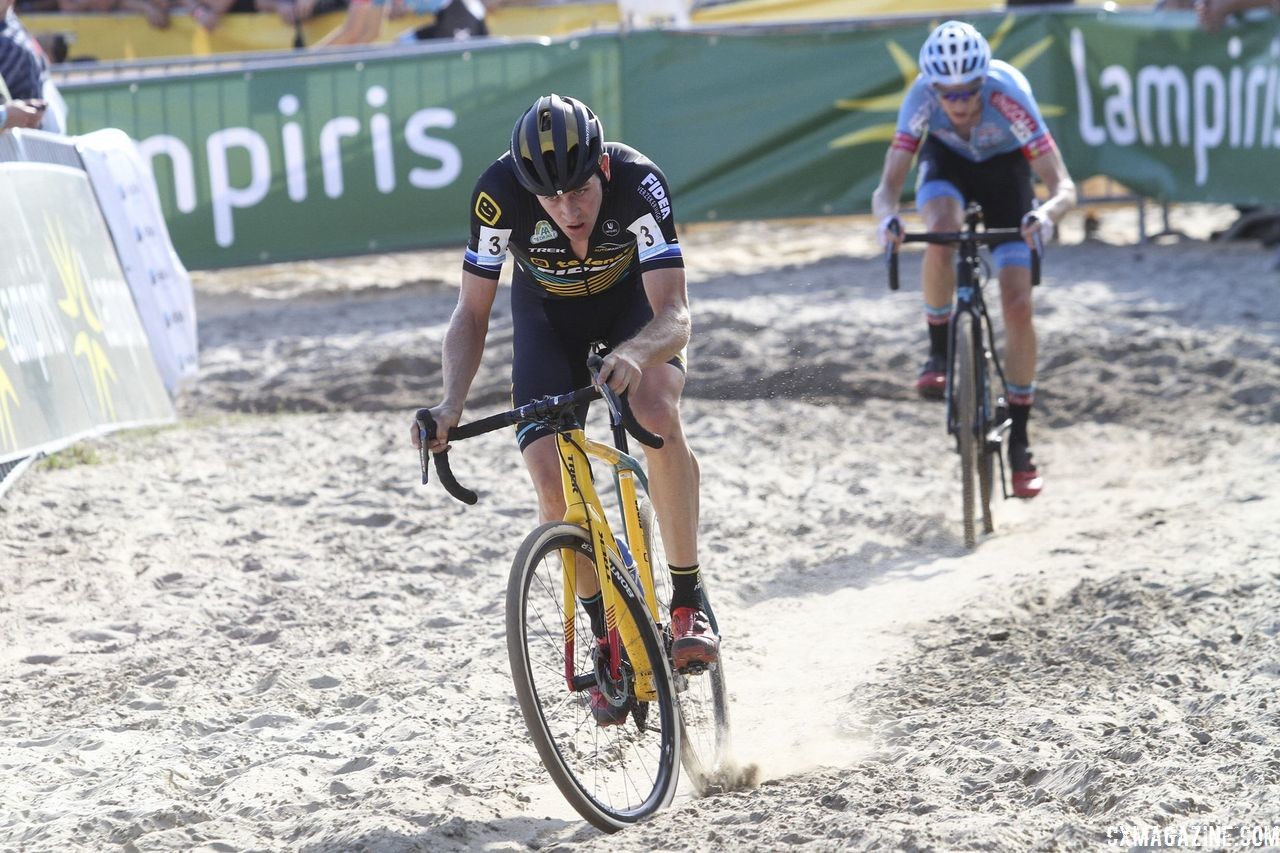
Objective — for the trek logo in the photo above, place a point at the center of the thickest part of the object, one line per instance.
(542, 232)
(652, 191)
(555, 249)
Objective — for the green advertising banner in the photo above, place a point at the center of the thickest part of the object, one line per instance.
(758, 124)
(336, 158)
(74, 358)
(340, 157)
(1168, 110)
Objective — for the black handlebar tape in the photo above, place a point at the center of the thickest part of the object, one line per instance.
(639, 433)
(451, 485)
(891, 259)
(480, 427)
(1035, 267)
(427, 431)
(629, 422)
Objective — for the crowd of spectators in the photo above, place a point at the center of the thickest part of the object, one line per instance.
(453, 18)
(28, 97)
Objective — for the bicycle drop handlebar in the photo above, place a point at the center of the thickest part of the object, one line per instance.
(546, 409)
(971, 237)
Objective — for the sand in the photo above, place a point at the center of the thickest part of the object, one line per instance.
(255, 630)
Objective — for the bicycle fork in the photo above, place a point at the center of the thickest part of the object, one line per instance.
(582, 503)
(992, 425)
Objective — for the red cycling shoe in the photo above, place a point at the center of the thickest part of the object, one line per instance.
(694, 643)
(605, 713)
(932, 382)
(1027, 481)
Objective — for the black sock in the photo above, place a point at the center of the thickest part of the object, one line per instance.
(1019, 414)
(595, 612)
(938, 339)
(686, 591)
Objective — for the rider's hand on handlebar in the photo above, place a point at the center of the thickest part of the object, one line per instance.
(1037, 222)
(446, 419)
(890, 231)
(620, 372)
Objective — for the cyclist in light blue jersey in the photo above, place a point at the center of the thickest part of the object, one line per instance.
(980, 137)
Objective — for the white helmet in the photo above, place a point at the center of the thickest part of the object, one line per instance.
(954, 54)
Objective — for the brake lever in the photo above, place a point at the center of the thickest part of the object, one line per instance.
(594, 363)
(426, 431)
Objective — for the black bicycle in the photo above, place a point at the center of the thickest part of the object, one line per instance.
(976, 417)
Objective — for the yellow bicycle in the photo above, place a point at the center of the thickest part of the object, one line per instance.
(613, 776)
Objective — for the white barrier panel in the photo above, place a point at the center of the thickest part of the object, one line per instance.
(160, 283)
(74, 358)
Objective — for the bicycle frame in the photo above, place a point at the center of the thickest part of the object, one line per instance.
(970, 300)
(583, 508)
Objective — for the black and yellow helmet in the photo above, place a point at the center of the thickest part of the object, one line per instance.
(556, 145)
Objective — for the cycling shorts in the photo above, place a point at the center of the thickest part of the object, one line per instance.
(553, 337)
(1002, 185)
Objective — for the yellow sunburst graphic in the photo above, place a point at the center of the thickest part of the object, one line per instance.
(75, 303)
(8, 402)
(100, 366)
(907, 67)
(75, 299)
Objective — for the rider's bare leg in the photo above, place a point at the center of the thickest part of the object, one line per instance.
(938, 273)
(673, 469)
(1019, 329)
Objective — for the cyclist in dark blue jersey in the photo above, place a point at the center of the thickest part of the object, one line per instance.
(591, 228)
(983, 140)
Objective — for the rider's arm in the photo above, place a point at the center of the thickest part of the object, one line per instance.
(464, 340)
(463, 346)
(888, 195)
(1052, 171)
(662, 338)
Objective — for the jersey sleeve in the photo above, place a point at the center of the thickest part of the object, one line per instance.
(913, 117)
(1018, 107)
(654, 222)
(492, 215)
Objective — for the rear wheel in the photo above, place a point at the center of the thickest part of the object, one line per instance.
(967, 420)
(615, 775)
(703, 696)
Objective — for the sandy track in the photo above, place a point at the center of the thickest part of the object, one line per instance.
(254, 630)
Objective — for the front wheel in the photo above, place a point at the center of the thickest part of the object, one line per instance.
(614, 775)
(968, 421)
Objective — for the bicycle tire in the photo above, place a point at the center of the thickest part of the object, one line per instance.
(706, 743)
(967, 421)
(611, 776)
(987, 449)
